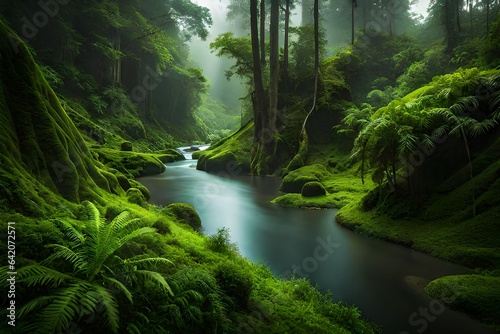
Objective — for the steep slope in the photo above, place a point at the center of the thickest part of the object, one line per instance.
(41, 151)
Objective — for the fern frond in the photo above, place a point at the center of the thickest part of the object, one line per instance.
(465, 106)
(62, 252)
(120, 287)
(494, 105)
(148, 261)
(37, 275)
(110, 306)
(33, 306)
(155, 278)
(71, 232)
(64, 308)
(476, 128)
(407, 143)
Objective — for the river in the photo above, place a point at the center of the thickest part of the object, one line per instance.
(378, 277)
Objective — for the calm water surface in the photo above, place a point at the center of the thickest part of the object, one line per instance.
(374, 275)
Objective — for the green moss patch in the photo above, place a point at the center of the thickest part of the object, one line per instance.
(477, 295)
(133, 164)
(312, 189)
(184, 213)
(296, 179)
(230, 155)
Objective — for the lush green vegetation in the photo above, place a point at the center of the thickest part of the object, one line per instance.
(398, 129)
(93, 255)
(403, 136)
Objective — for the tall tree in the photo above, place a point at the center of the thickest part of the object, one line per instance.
(353, 6)
(263, 32)
(274, 65)
(285, 47)
(259, 105)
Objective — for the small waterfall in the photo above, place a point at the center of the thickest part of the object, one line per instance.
(187, 151)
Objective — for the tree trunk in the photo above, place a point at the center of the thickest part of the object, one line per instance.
(470, 18)
(274, 66)
(263, 33)
(285, 47)
(487, 17)
(353, 5)
(306, 12)
(259, 95)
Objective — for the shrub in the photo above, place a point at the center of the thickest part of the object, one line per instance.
(314, 188)
(220, 242)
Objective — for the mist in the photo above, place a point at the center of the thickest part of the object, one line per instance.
(228, 92)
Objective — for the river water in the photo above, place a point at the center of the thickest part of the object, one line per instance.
(380, 278)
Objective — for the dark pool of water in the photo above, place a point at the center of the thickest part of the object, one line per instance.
(374, 275)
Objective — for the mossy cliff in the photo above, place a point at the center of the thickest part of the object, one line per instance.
(41, 149)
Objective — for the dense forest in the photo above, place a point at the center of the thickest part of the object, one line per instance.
(368, 107)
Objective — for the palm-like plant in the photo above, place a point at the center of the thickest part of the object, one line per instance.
(96, 273)
(462, 125)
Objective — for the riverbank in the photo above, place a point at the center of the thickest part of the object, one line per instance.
(472, 241)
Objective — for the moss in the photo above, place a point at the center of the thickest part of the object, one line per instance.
(126, 146)
(309, 202)
(184, 213)
(162, 226)
(40, 144)
(142, 188)
(135, 196)
(169, 155)
(312, 189)
(133, 164)
(295, 180)
(231, 155)
(477, 295)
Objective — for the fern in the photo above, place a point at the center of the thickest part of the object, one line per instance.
(95, 273)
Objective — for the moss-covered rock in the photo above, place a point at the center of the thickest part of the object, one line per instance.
(230, 155)
(295, 180)
(477, 295)
(162, 226)
(126, 146)
(313, 188)
(132, 164)
(184, 213)
(135, 196)
(170, 155)
(142, 188)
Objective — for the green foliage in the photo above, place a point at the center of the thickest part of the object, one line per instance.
(302, 59)
(237, 48)
(355, 119)
(235, 282)
(53, 78)
(221, 242)
(90, 275)
(198, 305)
